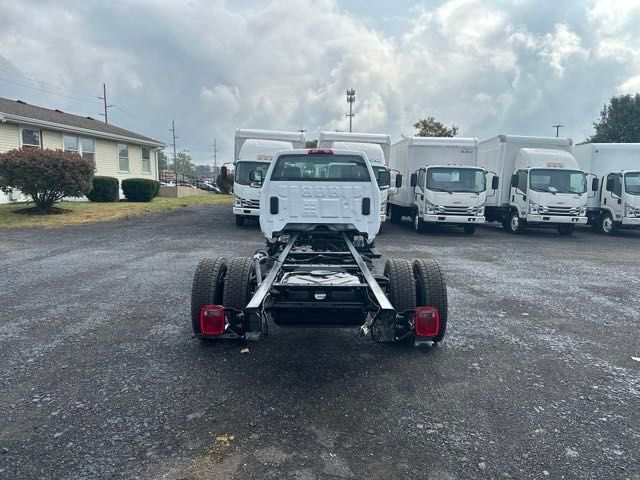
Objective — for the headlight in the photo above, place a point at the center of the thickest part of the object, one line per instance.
(430, 208)
(237, 201)
(583, 211)
(630, 211)
(481, 210)
(534, 208)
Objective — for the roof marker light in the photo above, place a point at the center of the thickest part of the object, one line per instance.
(320, 151)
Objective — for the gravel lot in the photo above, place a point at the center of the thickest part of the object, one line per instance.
(99, 377)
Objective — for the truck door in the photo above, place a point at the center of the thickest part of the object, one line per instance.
(612, 195)
(420, 190)
(519, 193)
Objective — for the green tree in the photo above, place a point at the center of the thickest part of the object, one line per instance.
(619, 121)
(163, 161)
(184, 165)
(311, 144)
(430, 127)
(203, 170)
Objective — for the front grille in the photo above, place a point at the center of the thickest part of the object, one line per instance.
(252, 203)
(451, 210)
(555, 210)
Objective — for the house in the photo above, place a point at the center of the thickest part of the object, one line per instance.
(117, 152)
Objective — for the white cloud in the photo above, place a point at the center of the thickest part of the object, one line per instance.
(213, 66)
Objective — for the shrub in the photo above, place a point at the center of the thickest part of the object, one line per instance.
(225, 184)
(140, 189)
(46, 176)
(105, 189)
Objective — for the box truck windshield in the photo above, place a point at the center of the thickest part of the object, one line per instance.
(243, 168)
(632, 183)
(449, 179)
(558, 181)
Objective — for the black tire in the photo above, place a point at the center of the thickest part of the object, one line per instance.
(431, 290)
(402, 290)
(469, 229)
(514, 223)
(238, 288)
(566, 230)
(418, 223)
(395, 214)
(240, 220)
(605, 224)
(208, 287)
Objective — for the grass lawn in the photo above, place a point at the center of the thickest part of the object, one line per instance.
(89, 212)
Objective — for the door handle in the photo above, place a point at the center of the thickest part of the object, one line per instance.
(619, 201)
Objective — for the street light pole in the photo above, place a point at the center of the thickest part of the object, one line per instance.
(175, 156)
(351, 97)
(557, 127)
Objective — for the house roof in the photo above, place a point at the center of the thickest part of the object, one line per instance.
(18, 111)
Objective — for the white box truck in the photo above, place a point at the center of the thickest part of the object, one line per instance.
(254, 150)
(542, 183)
(616, 204)
(377, 148)
(446, 186)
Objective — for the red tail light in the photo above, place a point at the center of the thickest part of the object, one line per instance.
(319, 151)
(212, 321)
(426, 321)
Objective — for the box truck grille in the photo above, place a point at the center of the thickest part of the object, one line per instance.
(252, 203)
(451, 210)
(562, 210)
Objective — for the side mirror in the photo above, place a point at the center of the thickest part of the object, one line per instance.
(398, 181)
(609, 184)
(255, 176)
(414, 179)
(223, 173)
(384, 178)
(595, 184)
(495, 181)
(514, 180)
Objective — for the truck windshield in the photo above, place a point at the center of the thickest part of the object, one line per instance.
(376, 170)
(244, 168)
(558, 181)
(452, 179)
(321, 168)
(632, 183)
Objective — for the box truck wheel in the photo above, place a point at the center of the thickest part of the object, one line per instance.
(514, 224)
(208, 287)
(418, 223)
(566, 230)
(469, 229)
(605, 224)
(431, 290)
(240, 220)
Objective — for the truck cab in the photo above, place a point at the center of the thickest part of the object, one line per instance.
(547, 188)
(254, 150)
(334, 189)
(449, 194)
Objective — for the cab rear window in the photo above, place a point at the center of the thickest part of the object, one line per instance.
(320, 168)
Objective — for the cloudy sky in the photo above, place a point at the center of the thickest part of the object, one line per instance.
(212, 65)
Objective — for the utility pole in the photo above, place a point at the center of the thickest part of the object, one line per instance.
(351, 97)
(557, 127)
(104, 98)
(175, 163)
(215, 158)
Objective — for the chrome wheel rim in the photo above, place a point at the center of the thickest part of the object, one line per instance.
(515, 223)
(416, 222)
(607, 224)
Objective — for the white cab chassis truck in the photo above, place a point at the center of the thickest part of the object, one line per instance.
(542, 186)
(369, 143)
(445, 187)
(246, 195)
(616, 166)
(318, 213)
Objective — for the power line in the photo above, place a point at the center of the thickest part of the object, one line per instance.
(78, 99)
(44, 82)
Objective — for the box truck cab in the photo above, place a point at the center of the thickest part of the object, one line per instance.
(254, 150)
(377, 148)
(616, 204)
(546, 187)
(445, 187)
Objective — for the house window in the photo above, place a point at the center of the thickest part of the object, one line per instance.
(123, 157)
(84, 146)
(30, 138)
(146, 160)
